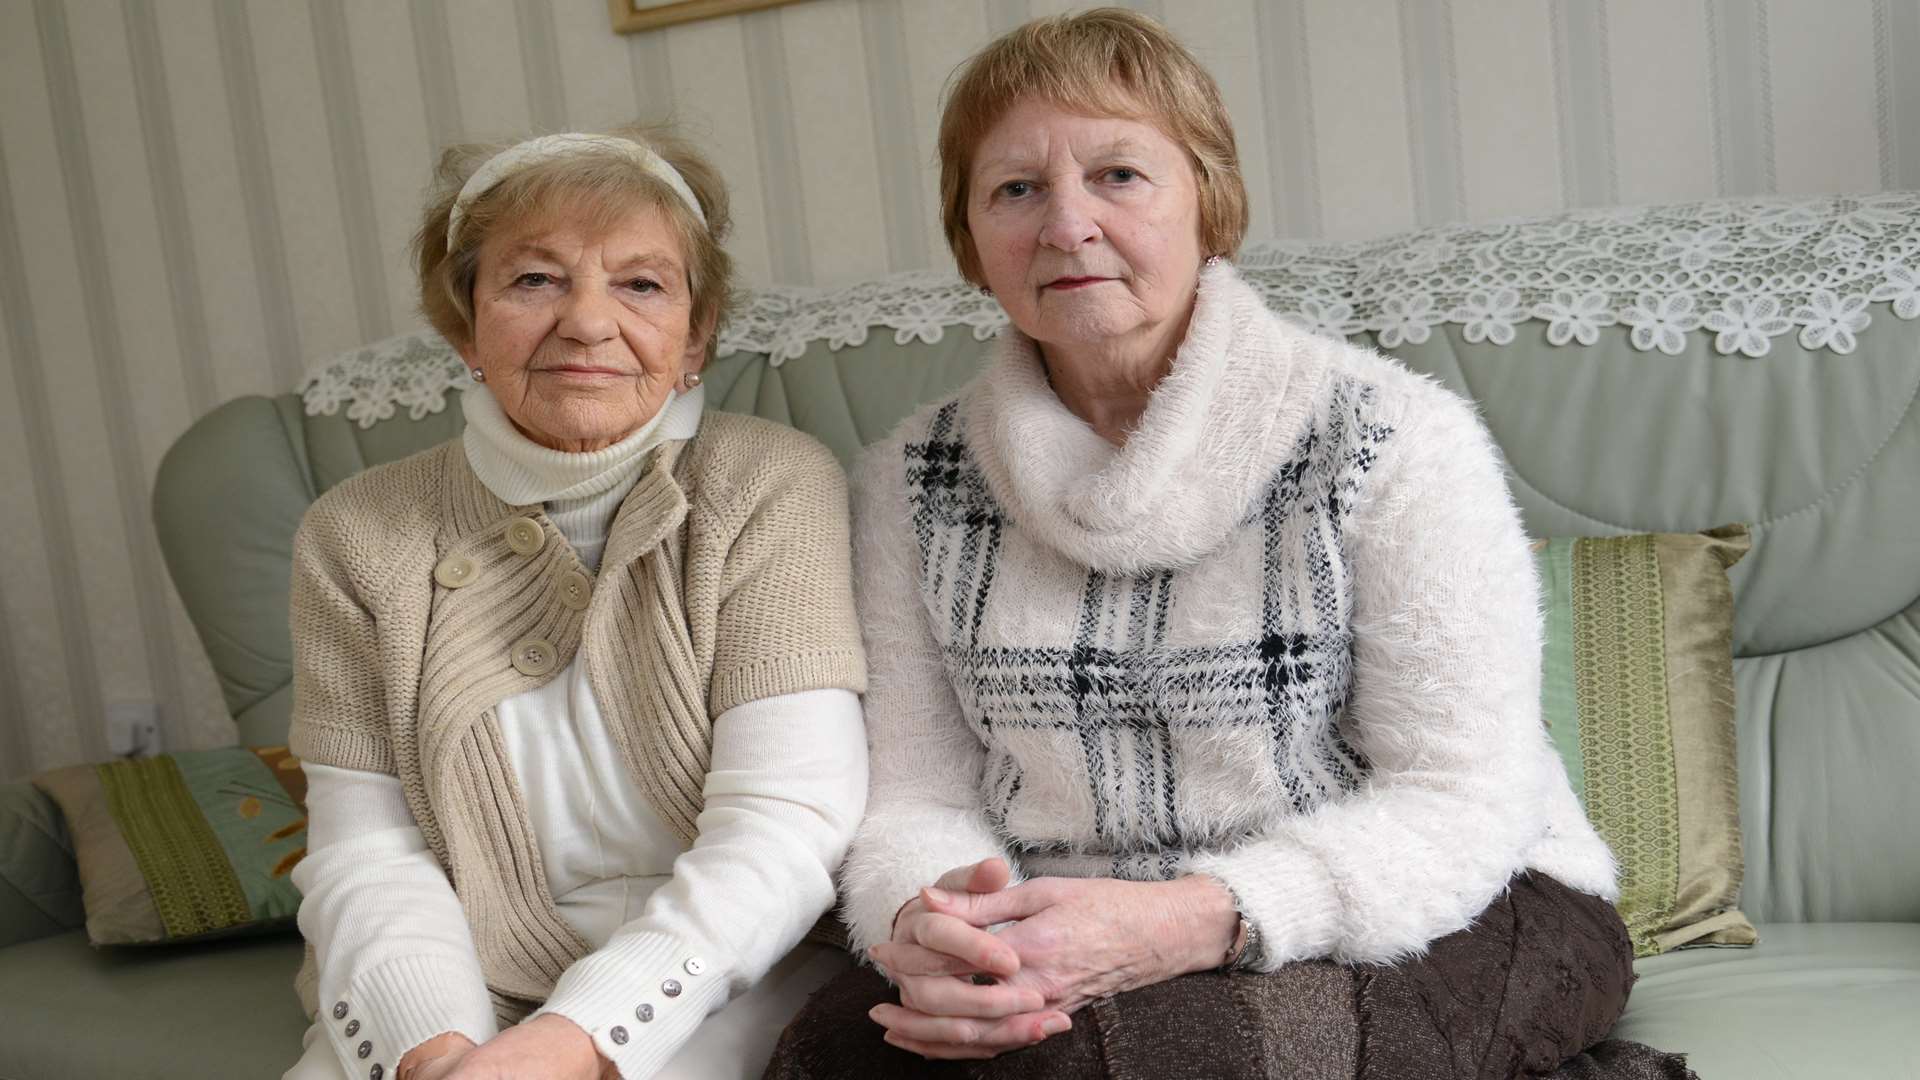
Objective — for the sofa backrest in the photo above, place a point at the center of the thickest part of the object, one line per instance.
(1817, 450)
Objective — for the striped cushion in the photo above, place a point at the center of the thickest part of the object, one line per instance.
(190, 845)
(1638, 693)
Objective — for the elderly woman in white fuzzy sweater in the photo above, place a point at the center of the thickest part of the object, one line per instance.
(1198, 644)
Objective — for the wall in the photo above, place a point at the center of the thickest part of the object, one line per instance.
(199, 196)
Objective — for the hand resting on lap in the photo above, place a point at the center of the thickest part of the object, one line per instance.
(1068, 941)
(546, 1046)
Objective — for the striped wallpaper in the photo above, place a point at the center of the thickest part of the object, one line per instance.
(198, 196)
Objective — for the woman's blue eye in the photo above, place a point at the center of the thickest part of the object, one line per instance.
(644, 285)
(533, 280)
(1123, 175)
(1016, 188)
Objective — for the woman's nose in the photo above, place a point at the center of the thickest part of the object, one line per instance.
(1069, 220)
(587, 316)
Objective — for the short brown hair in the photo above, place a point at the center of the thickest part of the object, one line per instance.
(1103, 62)
(605, 187)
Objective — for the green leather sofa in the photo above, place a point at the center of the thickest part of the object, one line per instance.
(1818, 451)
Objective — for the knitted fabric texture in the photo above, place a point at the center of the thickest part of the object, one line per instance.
(725, 580)
(580, 491)
(1286, 635)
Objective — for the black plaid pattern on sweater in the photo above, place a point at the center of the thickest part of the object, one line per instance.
(1117, 695)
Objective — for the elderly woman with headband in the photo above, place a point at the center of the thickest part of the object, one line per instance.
(1204, 717)
(577, 692)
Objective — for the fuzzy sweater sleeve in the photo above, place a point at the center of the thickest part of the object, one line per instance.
(1445, 708)
(924, 810)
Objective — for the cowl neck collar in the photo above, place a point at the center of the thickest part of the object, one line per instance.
(1214, 431)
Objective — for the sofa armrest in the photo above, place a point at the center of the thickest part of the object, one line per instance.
(39, 882)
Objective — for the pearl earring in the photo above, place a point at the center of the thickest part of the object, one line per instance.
(478, 375)
(1213, 260)
(690, 380)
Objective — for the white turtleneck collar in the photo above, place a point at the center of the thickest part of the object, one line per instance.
(580, 492)
(1214, 430)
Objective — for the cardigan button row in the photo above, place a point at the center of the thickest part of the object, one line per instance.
(531, 656)
(525, 537)
(455, 571)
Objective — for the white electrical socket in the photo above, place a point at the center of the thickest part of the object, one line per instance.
(133, 728)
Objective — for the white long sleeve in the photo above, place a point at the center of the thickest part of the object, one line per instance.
(1445, 708)
(785, 789)
(397, 965)
(924, 813)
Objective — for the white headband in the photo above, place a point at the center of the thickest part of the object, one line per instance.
(552, 147)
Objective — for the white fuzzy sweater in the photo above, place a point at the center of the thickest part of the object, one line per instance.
(1288, 636)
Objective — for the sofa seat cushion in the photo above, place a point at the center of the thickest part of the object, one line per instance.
(227, 1009)
(1811, 1001)
(218, 1010)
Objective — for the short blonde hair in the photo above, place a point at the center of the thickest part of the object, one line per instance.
(1103, 62)
(604, 187)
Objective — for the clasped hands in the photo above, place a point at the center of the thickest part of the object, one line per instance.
(969, 992)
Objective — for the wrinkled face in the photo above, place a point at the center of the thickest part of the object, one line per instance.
(583, 332)
(1088, 228)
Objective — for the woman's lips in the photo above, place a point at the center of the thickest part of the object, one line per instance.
(1075, 282)
(579, 371)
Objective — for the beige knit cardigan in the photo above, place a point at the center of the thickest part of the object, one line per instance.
(421, 601)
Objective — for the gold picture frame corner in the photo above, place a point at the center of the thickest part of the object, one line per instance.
(639, 16)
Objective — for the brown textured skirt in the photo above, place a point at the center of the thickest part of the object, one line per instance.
(1530, 989)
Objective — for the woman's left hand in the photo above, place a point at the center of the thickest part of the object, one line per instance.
(1085, 938)
(551, 1047)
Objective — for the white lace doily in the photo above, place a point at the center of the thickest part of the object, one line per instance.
(1744, 271)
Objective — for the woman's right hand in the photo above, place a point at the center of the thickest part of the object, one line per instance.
(435, 1058)
(934, 958)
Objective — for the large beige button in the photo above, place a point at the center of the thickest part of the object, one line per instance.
(533, 656)
(575, 590)
(525, 536)
(455, 571)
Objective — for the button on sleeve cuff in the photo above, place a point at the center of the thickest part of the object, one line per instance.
(402, 1003)
(640, 997)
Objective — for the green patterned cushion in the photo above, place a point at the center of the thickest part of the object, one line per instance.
(189, 845)
(1638, 693)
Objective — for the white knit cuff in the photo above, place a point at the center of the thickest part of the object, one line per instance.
(1285, 893)
(640, 997)
(881, 877)
(394, 1007)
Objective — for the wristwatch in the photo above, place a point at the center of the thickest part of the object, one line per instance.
(1246, 941)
